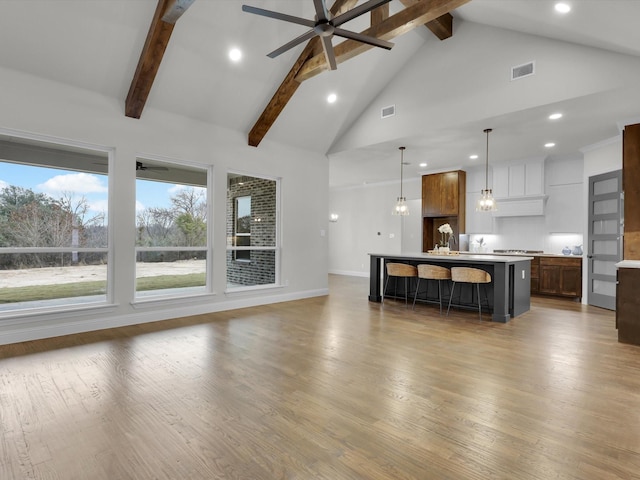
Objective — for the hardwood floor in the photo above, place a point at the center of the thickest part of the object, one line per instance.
(328, 388)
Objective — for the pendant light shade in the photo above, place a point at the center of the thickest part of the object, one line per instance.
(401, 207)
(486, 202)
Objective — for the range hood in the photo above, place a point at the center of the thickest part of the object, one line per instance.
(526, 206)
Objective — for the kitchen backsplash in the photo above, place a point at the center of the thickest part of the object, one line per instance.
(551, 243)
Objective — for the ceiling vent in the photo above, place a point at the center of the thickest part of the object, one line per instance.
(389, 111)
(521, 71)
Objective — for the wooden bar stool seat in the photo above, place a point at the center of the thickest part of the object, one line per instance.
(432, 272)
(474, 276)
(400, 270)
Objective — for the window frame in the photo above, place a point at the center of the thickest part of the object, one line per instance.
(276, 248)
(241, 254)
(142, 297)
(26, 140)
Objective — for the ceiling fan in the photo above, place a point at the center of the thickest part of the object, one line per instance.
(142, 166)
(325, 27)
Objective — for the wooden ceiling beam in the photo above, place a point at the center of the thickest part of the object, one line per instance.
(379, 14)
(441, 27)
(418, 14)
(289, 85)
(154, 47)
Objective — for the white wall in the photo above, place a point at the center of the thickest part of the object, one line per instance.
(38, 106)
(474, 65)
(366, 225)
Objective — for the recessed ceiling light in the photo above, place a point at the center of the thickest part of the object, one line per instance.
(563, 7)
(555, 116)
(473, 157)
(332, 98)
(423, 164)
(235, 54)
(550, 144)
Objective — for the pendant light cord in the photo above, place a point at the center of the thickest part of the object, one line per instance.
(486, 168)
(401, 168)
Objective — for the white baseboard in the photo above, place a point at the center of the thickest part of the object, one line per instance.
(349, 273)
(39, 328)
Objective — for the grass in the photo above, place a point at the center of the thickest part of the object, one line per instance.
(83, 289)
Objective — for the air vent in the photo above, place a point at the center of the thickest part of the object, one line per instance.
(522, 71)
(389, 111)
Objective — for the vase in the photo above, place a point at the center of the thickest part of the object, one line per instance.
(577, 250)
(566, 251)
(444, 250)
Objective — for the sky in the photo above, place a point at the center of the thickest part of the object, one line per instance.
(93, 187)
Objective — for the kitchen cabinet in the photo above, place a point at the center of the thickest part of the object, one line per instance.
(561, 276)
(519, 180)
(628, 305)
(535, 275)
(443, 201)
(443, 194)
(519, 189)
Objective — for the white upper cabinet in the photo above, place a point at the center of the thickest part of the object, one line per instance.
(534, 178)
(516, 180)
(519, 179)
(519, 188)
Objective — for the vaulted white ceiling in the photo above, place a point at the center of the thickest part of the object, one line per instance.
(95, 45)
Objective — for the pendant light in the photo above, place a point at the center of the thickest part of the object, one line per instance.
(401, 207)
(486, 203)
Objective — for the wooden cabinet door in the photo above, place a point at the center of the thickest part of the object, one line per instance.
(561, 276)
(449, 194)
(571, 282)
(535, 275)
(550, 279)
(431, 195)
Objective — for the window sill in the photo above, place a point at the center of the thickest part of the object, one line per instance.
(68, 311)
(166, 300)
(238, 291)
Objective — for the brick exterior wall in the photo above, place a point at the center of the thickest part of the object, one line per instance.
(261, 268)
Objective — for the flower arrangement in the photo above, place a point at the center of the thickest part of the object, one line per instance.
(446, 232)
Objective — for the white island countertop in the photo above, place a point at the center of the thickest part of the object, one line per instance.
(462, 257)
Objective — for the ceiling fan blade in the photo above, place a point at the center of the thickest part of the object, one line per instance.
(357, 11)
(278, 16)
(321, 10)
(376, 42)
(142, 166)
(327, 46)
(289, 45)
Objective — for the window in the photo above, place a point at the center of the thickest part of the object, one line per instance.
(242, 236)
(171, 228)
(54, 231)
(252, 235)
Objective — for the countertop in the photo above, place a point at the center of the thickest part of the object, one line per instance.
(462, 257)
(628, 264)
(557, 255)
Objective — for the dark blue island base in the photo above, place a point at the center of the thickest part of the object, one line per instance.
(509, 292)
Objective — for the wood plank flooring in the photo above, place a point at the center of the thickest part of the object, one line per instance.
(328, 388)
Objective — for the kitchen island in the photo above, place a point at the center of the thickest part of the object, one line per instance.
(509, 292)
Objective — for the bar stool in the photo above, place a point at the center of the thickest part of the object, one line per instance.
(432, 272)
(400, 270)
(473, 276)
